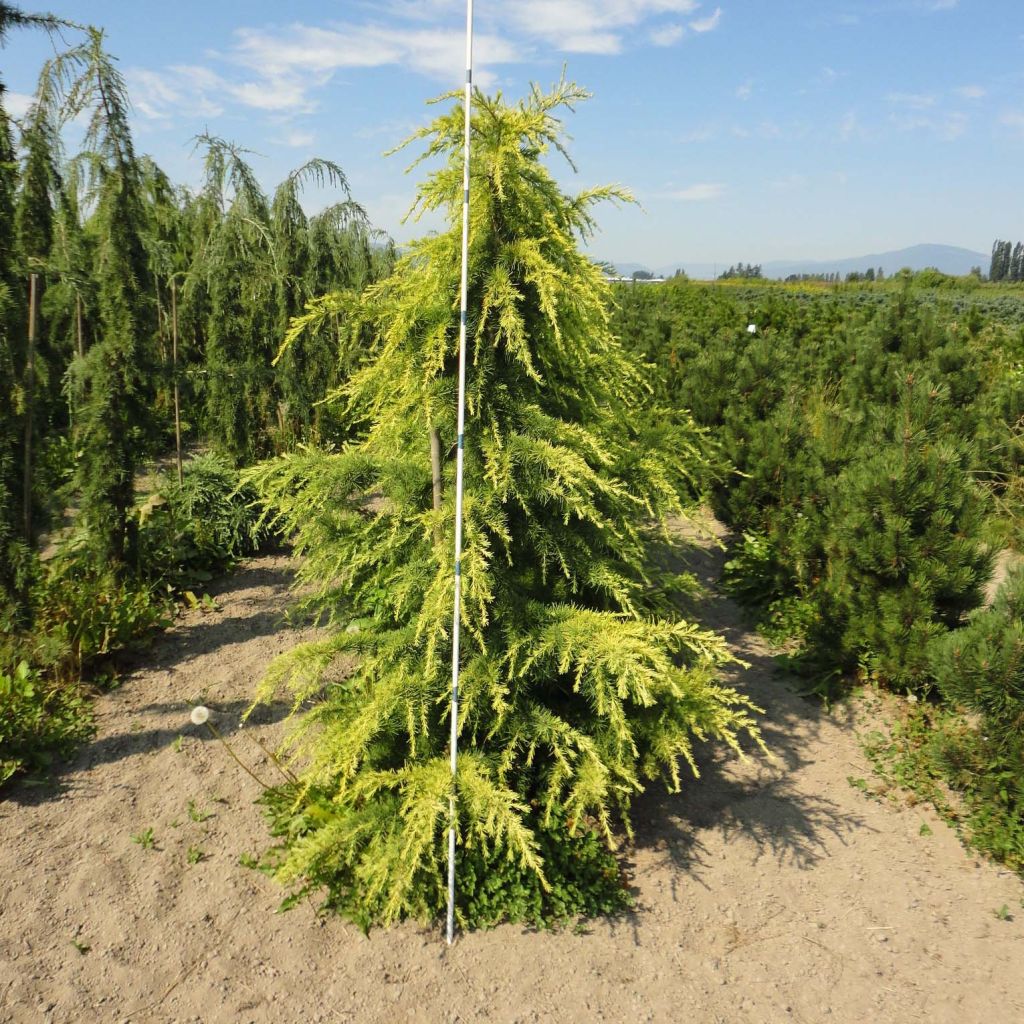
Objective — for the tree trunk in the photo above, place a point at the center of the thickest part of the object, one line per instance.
(80, 346)
(174, 370)
(78, 327)
(435, 472)
(30, 385)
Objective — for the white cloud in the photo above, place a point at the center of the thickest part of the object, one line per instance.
(912, 100)
(293, 61)
(849, 126)
(703, 134)
(559, 21)
(604, 43)
(162, 95)
(1014, 120)
(298, 139)
(280, 68)
(744, 90)
(668, 35)
(700, 193)
(971, 92)
(708, 24)
(945, 127)
(569, 26)
(795, 182)
(17, 103)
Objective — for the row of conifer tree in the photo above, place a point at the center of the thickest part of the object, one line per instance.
(137, 316)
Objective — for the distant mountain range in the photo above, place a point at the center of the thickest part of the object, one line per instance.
(950, 259)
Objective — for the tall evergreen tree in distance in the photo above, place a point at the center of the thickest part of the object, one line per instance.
(580, 682)
(1017, 263)
(1002, 258)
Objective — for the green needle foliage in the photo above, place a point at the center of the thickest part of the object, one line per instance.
(580, 683)
(904, 560)
(10, 343)
(117, 374)
(981, 668)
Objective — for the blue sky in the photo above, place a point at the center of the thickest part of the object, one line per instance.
(751, 130)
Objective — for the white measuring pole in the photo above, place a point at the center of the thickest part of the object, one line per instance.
(468, 102)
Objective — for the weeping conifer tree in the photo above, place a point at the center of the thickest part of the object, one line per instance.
(70, 301)
(327, 251)
(117, 419)
(258, 261)
(42, 409)
(580, 682)
(243, 297)
(10, 320)
(13, 326)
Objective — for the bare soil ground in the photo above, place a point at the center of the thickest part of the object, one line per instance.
(767, 892)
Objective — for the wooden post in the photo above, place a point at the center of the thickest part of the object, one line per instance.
(435, 472)
(30, 386)
(78, 326)
(80, 346)
(174, 370)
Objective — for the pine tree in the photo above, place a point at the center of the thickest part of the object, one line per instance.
(904, 558)
(980, 669)
(70, 300)
(579, 681)
(1002, 256)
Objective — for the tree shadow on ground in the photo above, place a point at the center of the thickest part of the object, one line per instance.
(263, 614)
(757, 802)
(72, 776)
(190, 639)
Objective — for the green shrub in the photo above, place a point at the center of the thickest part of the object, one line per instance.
(39, 719)
(903, 549)
(190, 530)
(582, 877)
(81, 612)
(980, 668)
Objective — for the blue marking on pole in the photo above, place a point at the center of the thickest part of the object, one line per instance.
(458, 568)
(462, 438)
(462, 316)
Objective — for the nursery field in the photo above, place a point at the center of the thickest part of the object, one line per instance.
(769, 891)
(350, 595)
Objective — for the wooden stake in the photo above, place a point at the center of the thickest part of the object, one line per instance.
(435, 472)
(78, 325)
(174, 365)
(30, 386)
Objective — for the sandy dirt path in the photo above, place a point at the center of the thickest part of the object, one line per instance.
(768, 892)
